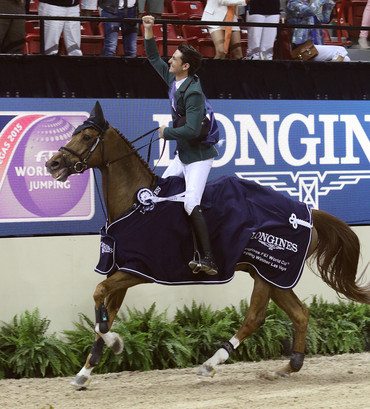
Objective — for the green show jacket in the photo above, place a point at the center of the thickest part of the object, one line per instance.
(190, 102)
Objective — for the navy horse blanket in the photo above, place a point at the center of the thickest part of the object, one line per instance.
(248, 223)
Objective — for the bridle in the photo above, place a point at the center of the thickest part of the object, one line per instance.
(81, 166)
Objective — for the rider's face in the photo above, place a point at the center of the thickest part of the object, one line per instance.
(176, 65)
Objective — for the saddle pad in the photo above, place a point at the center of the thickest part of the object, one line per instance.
(247, 223)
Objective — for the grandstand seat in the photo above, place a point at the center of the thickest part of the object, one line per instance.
(91, 44)
(192, 9)
(244, 40)
(167, 7)
(285, 43)
(356, 10)
(328, 40)
(33, 7)
(95, 25)
(204, 42)
(173, 39)
(169, 14)
(349, 13)
(32, 37)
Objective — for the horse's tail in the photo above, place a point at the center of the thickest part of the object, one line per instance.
(337, 255)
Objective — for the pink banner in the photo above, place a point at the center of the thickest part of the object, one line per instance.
(10, 136)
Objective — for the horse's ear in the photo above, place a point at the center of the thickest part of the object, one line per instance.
(97, 116)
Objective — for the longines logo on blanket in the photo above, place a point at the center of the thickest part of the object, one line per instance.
(274, 242)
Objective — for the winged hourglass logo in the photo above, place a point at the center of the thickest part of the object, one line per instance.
(307, 186)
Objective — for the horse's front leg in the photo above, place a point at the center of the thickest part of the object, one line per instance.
(108, 297)
(299, 314)
(254, 318)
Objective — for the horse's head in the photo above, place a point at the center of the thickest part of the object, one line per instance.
(80, 152)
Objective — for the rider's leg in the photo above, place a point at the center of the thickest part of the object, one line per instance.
(206, 261)
(196, 175)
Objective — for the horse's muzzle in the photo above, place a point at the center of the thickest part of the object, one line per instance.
(57, 168)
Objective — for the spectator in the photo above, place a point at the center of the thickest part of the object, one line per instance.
(12, 32)
(362, 40)
(315, 12)
(121, 9)
(261, 39)
(87, 10)
(54, 28)
(151, 7)
(88, 7)
(216, 10)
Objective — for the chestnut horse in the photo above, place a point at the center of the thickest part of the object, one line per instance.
(334, 247)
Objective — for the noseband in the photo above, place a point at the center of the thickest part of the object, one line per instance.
(81, 166)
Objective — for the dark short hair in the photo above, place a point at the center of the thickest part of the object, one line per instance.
(191, 56)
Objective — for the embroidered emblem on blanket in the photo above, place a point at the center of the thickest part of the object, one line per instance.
(247, 223)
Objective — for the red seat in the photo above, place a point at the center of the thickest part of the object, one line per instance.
(329, 41)
(173, 39)
(91, 44)
(356, 10)
(32, 38)
(192, 9)
(34, 6)
(168, 6)
(349, 13)
(204, 42)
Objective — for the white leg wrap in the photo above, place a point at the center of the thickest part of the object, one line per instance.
(221, 354)
(85, 372)
(109, 337)
(219, 357)
(234, 342)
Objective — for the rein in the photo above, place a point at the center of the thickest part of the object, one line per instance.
(141, 147)
(81, 166)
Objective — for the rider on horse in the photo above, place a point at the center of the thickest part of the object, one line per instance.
(194, 155)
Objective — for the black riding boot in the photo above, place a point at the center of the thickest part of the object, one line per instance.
(205, 260)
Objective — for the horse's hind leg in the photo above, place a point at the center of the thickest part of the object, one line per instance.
(299, 314)
(254, 318)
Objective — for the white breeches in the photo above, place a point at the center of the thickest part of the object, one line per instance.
(261, 39)
(54, 28)
(195, 174)
(331, 53)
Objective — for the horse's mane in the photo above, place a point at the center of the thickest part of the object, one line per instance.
(135, 151)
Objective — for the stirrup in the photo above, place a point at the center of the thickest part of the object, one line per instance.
(205, 264)
(195, 264)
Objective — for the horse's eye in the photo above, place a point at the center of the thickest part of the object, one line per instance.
(86, 137)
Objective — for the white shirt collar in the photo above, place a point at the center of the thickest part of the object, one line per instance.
(178, 83)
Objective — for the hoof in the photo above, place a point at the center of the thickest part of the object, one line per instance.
(282, 374)
(81, 381)
(206, 370)
(117, 346)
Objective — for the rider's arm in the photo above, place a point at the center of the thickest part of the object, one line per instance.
(152, 52)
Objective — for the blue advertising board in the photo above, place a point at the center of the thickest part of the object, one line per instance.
(313, 151)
